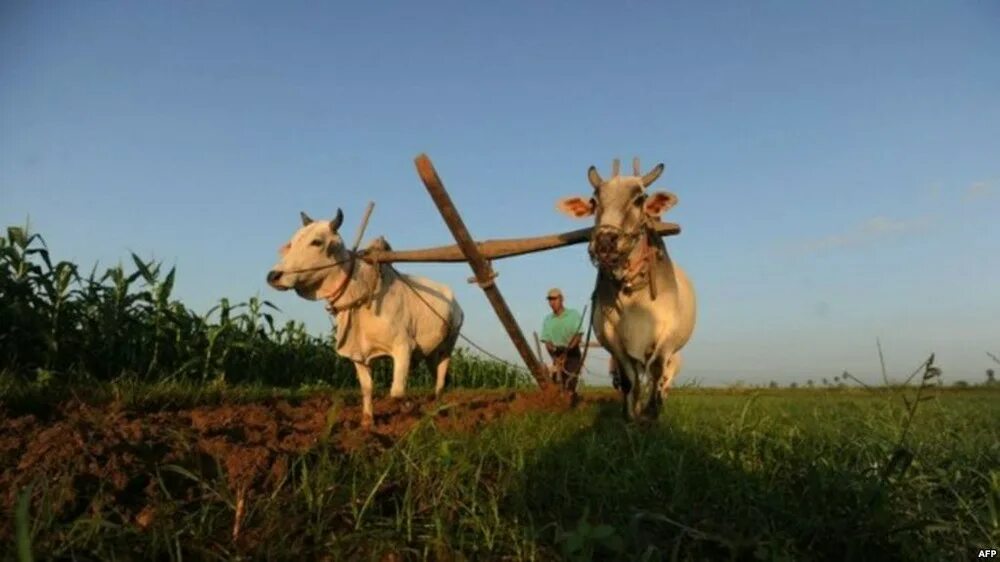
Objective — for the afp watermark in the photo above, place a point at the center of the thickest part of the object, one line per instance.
(988, 553)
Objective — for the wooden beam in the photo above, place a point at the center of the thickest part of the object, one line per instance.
(538, 350)
(479, 265)
(501, 248)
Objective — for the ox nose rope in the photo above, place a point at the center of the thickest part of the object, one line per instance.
(604, 251)
(351, 257)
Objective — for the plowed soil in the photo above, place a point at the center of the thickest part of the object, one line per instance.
(80, 448)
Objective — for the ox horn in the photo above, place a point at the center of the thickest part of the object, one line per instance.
(652, 175)
(337, 221)
(615, 167)
(305, 218)
(594, 177)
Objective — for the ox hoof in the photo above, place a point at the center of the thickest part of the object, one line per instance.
(645, 422)
(616, 381)
(367, 422)
(651, 414)
(623, 385)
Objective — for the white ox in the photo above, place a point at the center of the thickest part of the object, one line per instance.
(643, 334)
(379, 311)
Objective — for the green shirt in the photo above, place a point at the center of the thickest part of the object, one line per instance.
(558, 330)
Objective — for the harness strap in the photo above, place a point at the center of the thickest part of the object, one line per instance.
(368, 297)
(639, 272)
(324, 266)
(586, 344)
(342, 288)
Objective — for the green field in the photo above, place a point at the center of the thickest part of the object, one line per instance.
(764, 475)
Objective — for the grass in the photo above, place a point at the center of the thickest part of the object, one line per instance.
(774, 475)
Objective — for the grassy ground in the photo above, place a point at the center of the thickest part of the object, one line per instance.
(752, 475)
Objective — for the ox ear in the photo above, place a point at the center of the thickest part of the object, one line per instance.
(659, 202)
(306, 221)
(576, 207)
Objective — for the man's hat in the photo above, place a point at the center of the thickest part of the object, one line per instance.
(554, 293)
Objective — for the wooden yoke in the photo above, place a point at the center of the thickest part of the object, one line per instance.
(502, 248)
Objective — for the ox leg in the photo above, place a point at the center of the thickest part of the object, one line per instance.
(630, 387)
(440, 360)
(365, 380)
(657, 375)
(439, 366)
(669, 372)
(400, 370)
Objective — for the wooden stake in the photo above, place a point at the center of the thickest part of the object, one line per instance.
(480, 267)
(538, 350)
(364, 224)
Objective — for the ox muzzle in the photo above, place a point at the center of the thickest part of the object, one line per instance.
(274, 278)
(610, 247)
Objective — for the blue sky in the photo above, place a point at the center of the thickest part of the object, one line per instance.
(837, 166)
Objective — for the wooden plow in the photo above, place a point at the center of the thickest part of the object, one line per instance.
(479, 256)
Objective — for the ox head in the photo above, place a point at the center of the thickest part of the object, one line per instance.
(315, 251)
(621, 206)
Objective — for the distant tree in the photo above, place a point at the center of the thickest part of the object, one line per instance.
(990, 380)
(960, 384)
(810, 383)
(826, 382)
(836, 380)
(793, 385)
(773, 385)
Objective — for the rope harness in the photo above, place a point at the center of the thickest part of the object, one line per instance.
(617, 263)
(368, 297)
(351, 257)
(604, 252)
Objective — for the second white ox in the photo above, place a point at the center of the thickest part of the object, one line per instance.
(645, 305)
(379, 311)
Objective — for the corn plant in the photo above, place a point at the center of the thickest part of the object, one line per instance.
(55, 322)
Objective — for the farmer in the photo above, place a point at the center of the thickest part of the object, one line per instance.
(561, 335)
